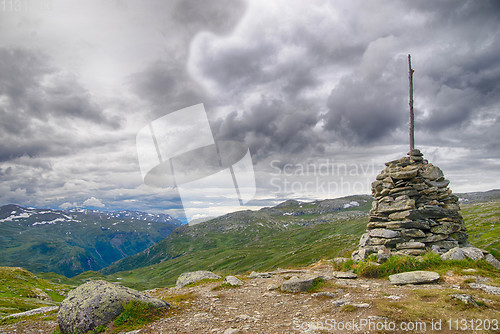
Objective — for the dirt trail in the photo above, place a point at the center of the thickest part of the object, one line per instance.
(258, 306)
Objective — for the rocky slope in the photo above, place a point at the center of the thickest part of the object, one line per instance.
(259, 306)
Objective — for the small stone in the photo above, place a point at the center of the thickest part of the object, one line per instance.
(341, 259)
(254, 274)
(396, 206)
(466, 299)
(410, 244)
(414, 277)
(405, 173)
(323, 294)
(194, 276)
(383, 233)
(495, 290)
(414, 252)
(233, 280)
(345, 275)
(446, 228)
(431, 172)
(493, 261)
(412, 233)
(339, 302)
(361, 305)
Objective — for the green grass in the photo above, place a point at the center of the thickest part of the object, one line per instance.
(242, 251)
(483, 225)
(429, 261)
(317, 285)
(136, 314)
(21, 291)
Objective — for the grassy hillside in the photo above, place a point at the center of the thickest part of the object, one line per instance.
(291, 234)
(288, 235)
(21, 291)
(483, 225)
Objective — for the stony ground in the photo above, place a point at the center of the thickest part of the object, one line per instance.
(260, 307)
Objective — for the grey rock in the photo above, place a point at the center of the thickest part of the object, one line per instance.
(44, 309)
(414, 277)
(431, 172)
(96, 303)
(410, 251)
(405, 173)
(399, 205)
(473, 253)
(339, 302)
(433, 238)
(454, 254)
(344, 275)
(412, 233)
(383, 233)
(446, 228)
(441, 184)
(466, 299)
(324, 294)
(233, 280)
(299, 284)
(361, 305)
(194, 276)
(410, 244)
(341, 259)
(493, 261)
(255, 274)
(495, 290)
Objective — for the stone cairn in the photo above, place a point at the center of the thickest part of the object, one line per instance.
(414, 211)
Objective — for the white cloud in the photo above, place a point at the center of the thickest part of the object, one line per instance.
(68, 205)
(92, 201)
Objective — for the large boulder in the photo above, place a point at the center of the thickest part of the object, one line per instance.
(414, 277)
(194, 276)
(96, 303)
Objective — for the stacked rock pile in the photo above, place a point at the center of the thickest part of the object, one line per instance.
(414, 211)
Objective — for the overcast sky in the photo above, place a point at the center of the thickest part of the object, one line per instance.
(317, 90)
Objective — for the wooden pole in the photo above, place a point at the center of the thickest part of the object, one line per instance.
(412, 120)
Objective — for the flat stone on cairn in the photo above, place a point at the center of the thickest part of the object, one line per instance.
(414, 211)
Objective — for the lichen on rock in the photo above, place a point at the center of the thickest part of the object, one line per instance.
(96, 303)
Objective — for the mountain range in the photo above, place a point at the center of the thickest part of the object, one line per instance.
(70, 242)
(143, 250)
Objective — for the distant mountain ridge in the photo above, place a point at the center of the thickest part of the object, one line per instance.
(72, 241)
(292, 232)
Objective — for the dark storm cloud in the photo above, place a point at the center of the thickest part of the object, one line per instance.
(271, 126)
(166, 87)
(365, 109)
(36, 101)
(165, 83)
(454, 44)
(219, 16)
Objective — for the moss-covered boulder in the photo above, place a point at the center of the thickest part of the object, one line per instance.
(96, 303)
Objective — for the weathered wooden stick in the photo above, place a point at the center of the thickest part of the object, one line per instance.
(412, 120)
